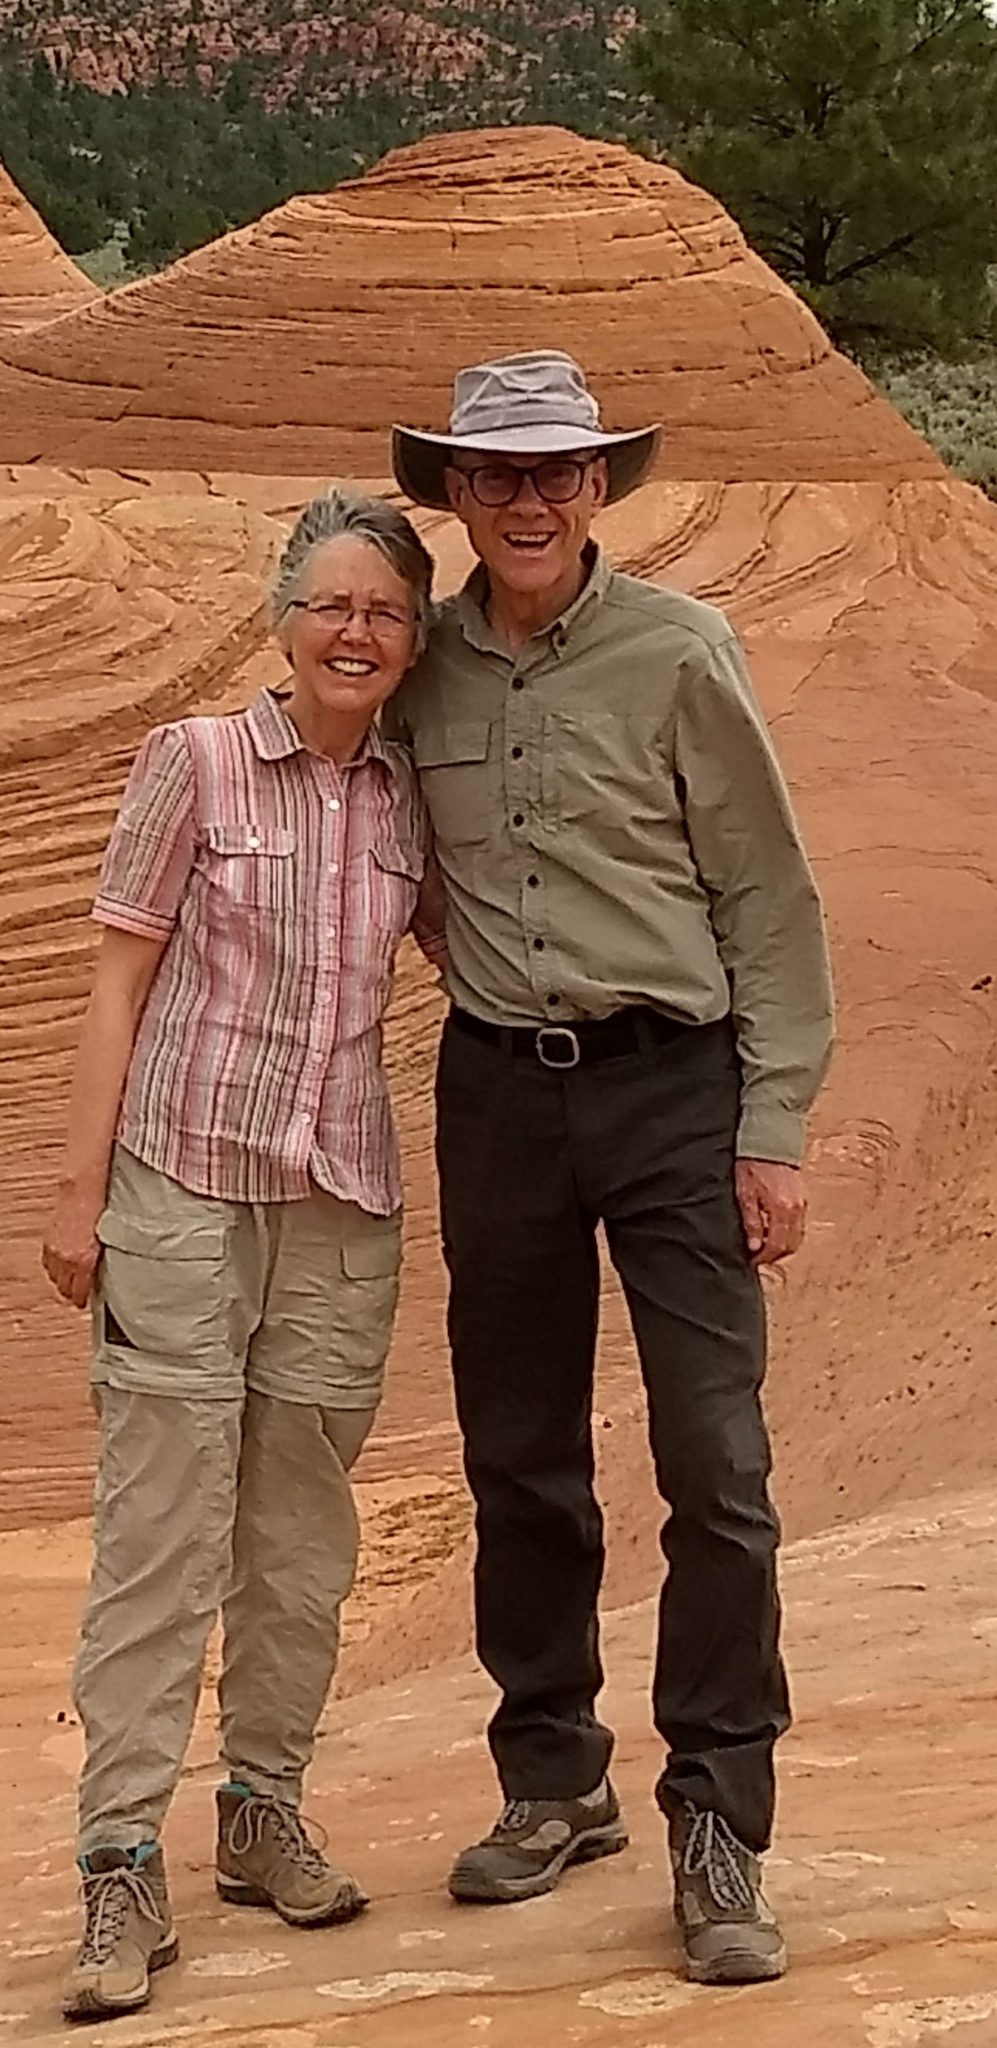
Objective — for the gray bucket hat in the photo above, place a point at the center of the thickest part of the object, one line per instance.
(534, 404)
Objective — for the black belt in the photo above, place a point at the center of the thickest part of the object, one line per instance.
(568, 1045)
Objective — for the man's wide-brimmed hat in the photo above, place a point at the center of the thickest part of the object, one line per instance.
(535, 404)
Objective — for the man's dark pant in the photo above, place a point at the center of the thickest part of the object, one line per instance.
(530, 1161)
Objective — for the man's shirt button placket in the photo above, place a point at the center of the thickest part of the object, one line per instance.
(523, 742)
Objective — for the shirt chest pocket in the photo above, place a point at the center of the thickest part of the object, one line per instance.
(605, 774)
(395, 872)
(459, 781)
(251, 867)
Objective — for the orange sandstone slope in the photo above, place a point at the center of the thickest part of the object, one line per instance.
(869, 611)
(291, 345)
(38, 282)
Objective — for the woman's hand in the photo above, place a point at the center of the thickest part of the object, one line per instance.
(126, 965)
(71, 1249)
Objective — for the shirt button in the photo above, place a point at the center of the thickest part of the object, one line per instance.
(334, 867)
(518, 818)
(538, 945)
(334, 804)
(517, 682)
(252, 840)
(517, 753)
(533, 881)
(553, 1001)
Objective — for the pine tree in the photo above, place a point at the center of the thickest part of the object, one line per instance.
(854, 140)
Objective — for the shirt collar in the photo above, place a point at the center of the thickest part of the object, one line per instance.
(474, 624)
(276, 737)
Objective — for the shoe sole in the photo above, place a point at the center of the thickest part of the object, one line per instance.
(90, 2005)
(470, 1888)
(236, 1892)
(739, 1968)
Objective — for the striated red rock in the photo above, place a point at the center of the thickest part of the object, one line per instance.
(870, 612)
(867, 596)
(38, 282)
(293, 344)
(890, 1917)
(351, 45)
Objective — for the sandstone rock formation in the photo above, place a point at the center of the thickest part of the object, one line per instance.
(118, 608)
(883, 1868)
(864, 581)
(38, 282)
(293, 344)
(315, 55)
(869, 612)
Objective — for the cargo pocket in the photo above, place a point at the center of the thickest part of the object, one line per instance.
(363, 1312)
(163, 1311)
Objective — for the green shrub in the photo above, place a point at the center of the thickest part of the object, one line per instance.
(954, 405)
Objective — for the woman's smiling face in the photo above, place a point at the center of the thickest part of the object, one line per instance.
(350, 630)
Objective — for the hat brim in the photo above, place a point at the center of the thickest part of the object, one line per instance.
(420, 460)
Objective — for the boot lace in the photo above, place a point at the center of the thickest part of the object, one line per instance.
(713, 1851)
(108, 1895)
(514, 1817)
(257, 1814)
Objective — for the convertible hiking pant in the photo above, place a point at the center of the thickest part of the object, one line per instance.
(239, 1355)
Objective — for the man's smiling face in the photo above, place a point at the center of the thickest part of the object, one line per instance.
(530, 546)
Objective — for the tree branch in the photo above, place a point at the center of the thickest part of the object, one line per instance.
(894, 248)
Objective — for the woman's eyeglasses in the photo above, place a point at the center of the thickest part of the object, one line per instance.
(338, 611)
(557, 480)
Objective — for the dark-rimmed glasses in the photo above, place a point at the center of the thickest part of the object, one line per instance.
(557, 480)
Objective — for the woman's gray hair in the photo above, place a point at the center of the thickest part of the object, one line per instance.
(337, 511)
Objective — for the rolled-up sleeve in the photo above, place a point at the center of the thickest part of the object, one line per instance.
(151, 849)
(765, 907)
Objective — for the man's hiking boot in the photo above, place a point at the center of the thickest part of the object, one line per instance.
(128, 1932)
(730, 1932)
(533, 1841)
(265, 1858)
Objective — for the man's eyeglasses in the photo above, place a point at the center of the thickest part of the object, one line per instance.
(557, 480)
(338, 611)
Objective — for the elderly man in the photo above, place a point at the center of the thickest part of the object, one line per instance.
(641, 1017)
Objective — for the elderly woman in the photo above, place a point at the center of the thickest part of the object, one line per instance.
(230, 1199)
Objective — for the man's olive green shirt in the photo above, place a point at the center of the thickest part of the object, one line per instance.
(612, 827)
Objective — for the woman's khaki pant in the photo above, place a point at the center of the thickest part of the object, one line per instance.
(239, 1354)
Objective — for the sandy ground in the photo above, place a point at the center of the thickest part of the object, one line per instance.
(882, 1869)
(864, 583)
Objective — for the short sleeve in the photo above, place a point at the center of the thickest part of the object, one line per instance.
(151, 849)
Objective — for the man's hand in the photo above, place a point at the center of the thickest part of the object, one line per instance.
(773, 1208)
(71, 1250)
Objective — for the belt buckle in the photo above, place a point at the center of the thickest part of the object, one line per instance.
(563, 1033)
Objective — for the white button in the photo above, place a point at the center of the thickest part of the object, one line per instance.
(253, 841)
(334, 803)
(334, 867)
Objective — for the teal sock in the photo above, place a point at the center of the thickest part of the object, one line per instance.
(135, 1857)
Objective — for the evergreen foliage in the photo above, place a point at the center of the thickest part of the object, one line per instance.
(855, 141)
(199, 143)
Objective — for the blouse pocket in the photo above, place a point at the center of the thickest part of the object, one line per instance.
(252, 866)
(396, 871)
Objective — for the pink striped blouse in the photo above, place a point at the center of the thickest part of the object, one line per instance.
(283, 885)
